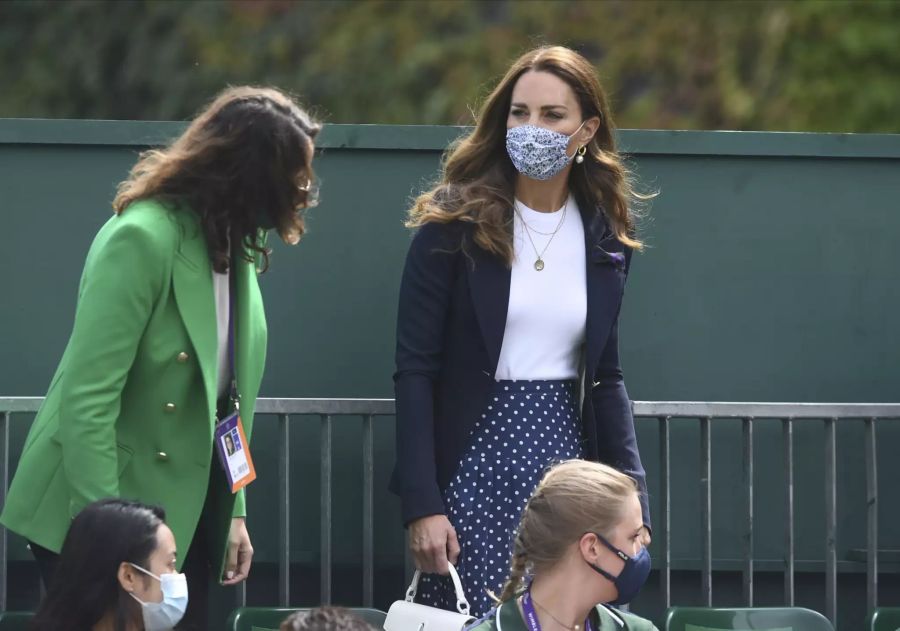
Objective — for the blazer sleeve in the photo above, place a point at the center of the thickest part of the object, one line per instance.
(425, 291)
(613, 415)
(240, 498)
(123, 278)
(240, 504)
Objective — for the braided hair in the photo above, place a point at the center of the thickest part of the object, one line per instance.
(518, 572)
(574, 497)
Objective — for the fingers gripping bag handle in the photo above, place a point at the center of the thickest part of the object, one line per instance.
(407, 615)
(462, 605)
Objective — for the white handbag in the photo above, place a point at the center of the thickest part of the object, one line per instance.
(406, 615)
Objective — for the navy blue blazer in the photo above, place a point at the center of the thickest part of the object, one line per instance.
(450, 325)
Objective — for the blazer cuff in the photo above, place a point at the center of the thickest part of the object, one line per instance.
(418, 503)
(240, 504)
(645, 510)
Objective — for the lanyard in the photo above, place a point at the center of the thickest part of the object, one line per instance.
(233, 393)
(531, 618)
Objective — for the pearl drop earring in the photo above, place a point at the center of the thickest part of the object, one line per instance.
(579, 155)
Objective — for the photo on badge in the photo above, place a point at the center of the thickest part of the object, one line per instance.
(233, 455)
(229, 443)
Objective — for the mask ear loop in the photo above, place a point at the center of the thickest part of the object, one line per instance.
(578, 152)
(147, 572)
(618, 552)
(599, 570)
(615, 550)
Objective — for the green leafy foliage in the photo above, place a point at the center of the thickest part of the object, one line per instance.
(801, 65)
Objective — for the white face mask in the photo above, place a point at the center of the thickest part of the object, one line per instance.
(164, 615)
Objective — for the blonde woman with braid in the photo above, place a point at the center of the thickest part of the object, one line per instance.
(578, 549)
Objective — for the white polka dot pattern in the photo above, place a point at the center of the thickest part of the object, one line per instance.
(527, 426)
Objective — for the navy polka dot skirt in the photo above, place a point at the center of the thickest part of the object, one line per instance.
(527, 426)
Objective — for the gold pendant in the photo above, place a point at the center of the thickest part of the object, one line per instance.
(539, 264)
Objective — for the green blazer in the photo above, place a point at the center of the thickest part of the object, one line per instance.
(508, 617)
(131, 409)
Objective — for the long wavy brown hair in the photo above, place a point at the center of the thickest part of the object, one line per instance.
(243, 164)
(478, 181)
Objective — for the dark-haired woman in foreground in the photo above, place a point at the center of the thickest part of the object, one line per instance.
(169, 340)
(116, 572)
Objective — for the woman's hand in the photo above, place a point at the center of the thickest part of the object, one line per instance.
(432, 540)
(240, 553)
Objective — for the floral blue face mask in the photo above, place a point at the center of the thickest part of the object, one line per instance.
(537, 152)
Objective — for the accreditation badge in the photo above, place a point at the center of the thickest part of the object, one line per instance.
(234, 452)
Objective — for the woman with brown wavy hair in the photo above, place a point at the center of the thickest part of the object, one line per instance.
(169, 341)
(507, 345)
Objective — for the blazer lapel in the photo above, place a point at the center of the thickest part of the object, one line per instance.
(605, 277)
(192, 281)
(489, 280)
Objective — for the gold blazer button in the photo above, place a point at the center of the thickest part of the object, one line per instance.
(161, 455)
(169, 407)
(182, 357)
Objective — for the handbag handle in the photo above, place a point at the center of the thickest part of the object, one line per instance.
(462, 605)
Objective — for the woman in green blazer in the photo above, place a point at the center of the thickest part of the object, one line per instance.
(578, 549)
(169, 337)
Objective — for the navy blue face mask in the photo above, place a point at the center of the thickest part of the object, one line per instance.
(633, 575)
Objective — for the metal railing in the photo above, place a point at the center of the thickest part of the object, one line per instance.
(326, 409)
(663, 412)
(788, 414)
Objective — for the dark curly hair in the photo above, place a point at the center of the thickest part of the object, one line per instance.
(325, 619)
(243, 164)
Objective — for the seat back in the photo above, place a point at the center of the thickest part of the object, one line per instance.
(15, 620)
(746, 619)
(270, 618)
(884, 619)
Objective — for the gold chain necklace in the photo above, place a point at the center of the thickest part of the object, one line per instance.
(576, 627)
(539, 261)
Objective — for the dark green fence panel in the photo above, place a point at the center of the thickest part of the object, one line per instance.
(771, 276)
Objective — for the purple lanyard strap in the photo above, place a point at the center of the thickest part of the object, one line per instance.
(531, 618)
(233, 394)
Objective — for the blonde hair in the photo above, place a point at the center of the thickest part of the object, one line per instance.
(477, 185)
(574, 497)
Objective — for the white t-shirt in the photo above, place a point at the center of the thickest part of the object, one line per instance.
(547, 313)
(221, 289)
